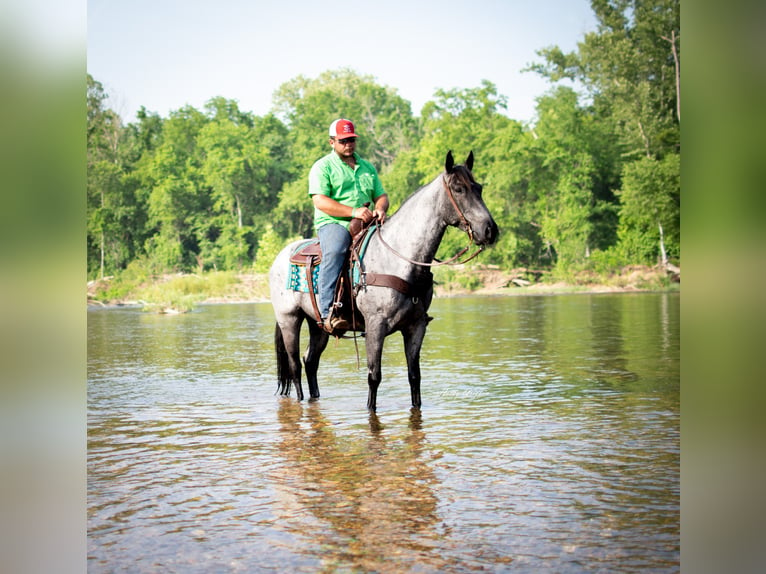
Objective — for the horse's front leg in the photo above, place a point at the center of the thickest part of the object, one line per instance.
(318, 339)
(375, 335)
(413, 342)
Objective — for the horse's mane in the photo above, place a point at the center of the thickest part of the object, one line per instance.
(410, 196)
(414, 193)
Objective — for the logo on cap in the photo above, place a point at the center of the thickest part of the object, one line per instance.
(342, 129)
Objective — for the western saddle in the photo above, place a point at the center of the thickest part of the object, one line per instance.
(344, 302)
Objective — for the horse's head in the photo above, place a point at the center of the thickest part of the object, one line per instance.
(468, 211)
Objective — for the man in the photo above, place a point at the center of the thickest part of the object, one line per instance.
(340, 184)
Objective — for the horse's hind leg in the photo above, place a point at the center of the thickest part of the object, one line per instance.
(289, 356)
(317, 343)
(284, 372)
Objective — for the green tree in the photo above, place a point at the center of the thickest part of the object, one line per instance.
(294, 214)
(403, 178)
(232, 165)
(268, 248)
(508, 195)
(243, 166)
(575, 212)
(178, 196)
(651, 203)
(137, 143)
(382, 118)
(273, 137)
(461, 120)
(108, 201)
(630, 68)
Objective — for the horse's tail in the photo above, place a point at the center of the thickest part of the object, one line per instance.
(283, 367)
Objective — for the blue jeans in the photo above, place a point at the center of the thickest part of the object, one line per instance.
(335, 241)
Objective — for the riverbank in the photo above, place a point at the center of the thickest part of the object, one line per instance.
(174, 293)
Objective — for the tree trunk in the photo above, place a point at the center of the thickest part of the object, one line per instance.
(647, 149)
(663, 253)
(102, 253)
(677, 65)
(103, 237)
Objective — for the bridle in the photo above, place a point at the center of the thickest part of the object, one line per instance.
(463, 220)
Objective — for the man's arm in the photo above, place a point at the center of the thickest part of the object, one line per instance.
(381, 207)
(336, 209)
(331, 207)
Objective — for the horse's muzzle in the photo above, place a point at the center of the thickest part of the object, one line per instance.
(486, 235)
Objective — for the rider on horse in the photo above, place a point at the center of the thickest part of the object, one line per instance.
(342, 185)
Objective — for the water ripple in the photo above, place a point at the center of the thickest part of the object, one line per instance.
(519, 461)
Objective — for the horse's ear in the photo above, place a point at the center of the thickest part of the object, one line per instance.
(469, 161)
(449, 163)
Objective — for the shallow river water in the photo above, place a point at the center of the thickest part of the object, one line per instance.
(548, 441)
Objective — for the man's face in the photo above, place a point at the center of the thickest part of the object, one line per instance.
(344, 147)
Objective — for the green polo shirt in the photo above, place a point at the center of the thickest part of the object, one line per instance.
(332, 177)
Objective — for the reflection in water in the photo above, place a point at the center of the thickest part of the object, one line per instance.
(548, 441)
(610, 363)
(370, 499)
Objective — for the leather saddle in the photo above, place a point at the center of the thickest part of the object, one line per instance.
(310, 255)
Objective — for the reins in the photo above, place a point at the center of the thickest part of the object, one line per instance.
(463, 220)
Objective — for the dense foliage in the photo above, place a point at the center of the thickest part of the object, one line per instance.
(592, 183)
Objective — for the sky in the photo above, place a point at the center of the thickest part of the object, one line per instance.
(165, 54)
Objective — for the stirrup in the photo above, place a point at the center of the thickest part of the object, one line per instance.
(339, 324)
(334, 325)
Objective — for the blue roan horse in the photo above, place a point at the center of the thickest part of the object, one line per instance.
(404, 246)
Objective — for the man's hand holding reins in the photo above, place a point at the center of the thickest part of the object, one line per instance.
(362, 213)
(366, 215)
(380, 215)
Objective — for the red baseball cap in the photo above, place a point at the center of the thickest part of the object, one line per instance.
(342, 129)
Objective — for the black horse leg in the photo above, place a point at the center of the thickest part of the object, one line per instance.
(374, 345)
(291, 339)
(283, 364)
(317, 343)
(413, 342)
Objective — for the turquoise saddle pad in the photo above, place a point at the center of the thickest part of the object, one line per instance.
(296, 278)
